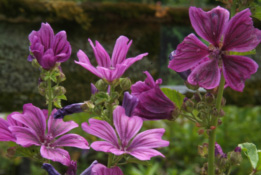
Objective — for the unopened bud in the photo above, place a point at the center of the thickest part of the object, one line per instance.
(212, 127)
(188, 105)
(201, 131)
(125, 83)
(201, 106)
(175, 114)
(87, 105)
(210, 98)
(190, 86)
(203, 150)
(59, 90)
(196, 97)
(101, 85)
(235, 157)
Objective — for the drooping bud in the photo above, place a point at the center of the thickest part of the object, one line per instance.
(67, 110)
(94, 90)
(129, 103)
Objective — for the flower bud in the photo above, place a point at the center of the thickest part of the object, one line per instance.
(235, 156)
(210, 98)
(87, 105)
(101, 85)
(203, 150)
(125, 83)
(59, 90)
(196, 97)
(188, 105)
(190, 86)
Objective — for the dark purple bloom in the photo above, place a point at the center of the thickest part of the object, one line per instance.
(67, 110)
(219, 151)
(109, 68)
(48, 48)
(126, 141)
(207, 63)
(35, 133)
(129, 103)
(153, 103)
(50, 169)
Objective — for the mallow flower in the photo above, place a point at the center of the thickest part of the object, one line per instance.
(208, 63)
(35, 133)
(109, 68)
(153, 103)
(47, 48)
(94, 169)
(129, 103)
(126, 141)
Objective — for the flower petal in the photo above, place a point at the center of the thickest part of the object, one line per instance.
(130, 61)
(25, 136)
(206, 75)
(145, 153)
(105, 146)
(188, 54)
(61, 47)
(50, 169)
(57, 127)
(5, 133)
(100, 169)
(88, 170)
(126, 127)
(129, 103)
(151, 138)
(102, 57)
(237, 69)
(241, 36)
(120, 50)
(72, 140)
(101, 129)
(209, 25)
(47, 35)
(56, 154)
(85, 62)
(34, 118)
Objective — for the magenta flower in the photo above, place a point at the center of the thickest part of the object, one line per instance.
(35, 133)
(5, 133)
(100, 169)
(153, 103)
(140, 145)
(129, 103)
(209, 63)
(48, 48)
(109, 69)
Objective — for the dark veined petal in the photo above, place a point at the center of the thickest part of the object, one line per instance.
(209, 25)
(126, 127)
(206, 75)
(33, 118)
(85, 62)
(5, 133)
(120, 50)
(61, 47)
(129, 103)
(56, 154)
(100, 169)
(72, 140)
(101, 129)
(46, 35)
(237, 69)
(241, 36)
(145, 153)
(106, 147)
(188, 54)
(101, 55)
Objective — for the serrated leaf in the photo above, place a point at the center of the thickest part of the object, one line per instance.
(174, 96)
(57, 103)
(251, 152)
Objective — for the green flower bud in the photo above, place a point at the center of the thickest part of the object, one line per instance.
(190, 86)
(209, 98)
(203, 150)
(87, 106)
(101, 85)
(125, 83)
(188, 105)
(59, 90)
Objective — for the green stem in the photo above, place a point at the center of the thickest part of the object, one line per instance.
(110, 158)
(212, 134)
(50, 99)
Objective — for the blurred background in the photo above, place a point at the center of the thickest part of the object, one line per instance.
(154, 26)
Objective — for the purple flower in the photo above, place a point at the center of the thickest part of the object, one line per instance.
(153, 103)
(109, 69)
(224, 35)
(219, 151)
(94, 169)
(140, 145)
(35, 133)
(67, 110)
(48, 48)
(5, 133)
(129, 103)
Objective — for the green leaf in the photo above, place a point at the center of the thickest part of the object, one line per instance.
(257, 12)
(174, 96)
(258, 168)
(62, 97)
(251, 152)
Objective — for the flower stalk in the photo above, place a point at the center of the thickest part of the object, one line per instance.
(212, 134)
(50, 99)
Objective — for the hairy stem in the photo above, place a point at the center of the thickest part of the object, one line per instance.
(50, 99)
(212, 134)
